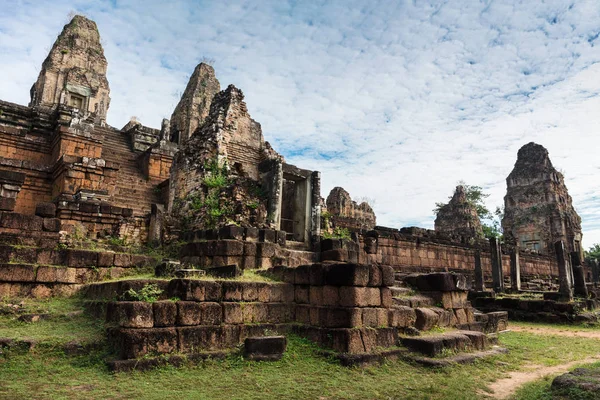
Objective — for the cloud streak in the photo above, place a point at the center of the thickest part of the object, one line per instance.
(393, 100)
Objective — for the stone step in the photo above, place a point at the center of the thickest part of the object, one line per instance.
(132, 188)
(414, 301)
(437, 345)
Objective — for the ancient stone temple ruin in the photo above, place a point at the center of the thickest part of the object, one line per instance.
(538, 210)
(74, 73)
(459, 217)
(346, 213)
(192, 110)
(206, 196)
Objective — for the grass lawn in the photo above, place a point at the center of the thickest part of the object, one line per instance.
(47, 372)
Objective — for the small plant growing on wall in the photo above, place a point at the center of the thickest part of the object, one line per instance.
(149, 293)
(217, 175)
(338, 233)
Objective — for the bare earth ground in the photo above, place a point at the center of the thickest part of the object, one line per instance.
(504, 388)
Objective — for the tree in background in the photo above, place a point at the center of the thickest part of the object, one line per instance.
(593, 252)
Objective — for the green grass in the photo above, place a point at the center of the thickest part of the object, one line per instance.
(301, 374)
(47, 373)
(59, 330)
(248, 276)
(547, 350)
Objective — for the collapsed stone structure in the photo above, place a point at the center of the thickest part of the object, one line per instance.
(346, 213)
(459, 217)
(538, 210)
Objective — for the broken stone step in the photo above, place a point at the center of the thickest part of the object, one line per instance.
(462, 358)
(189, 273)
(436, 345)
(479, 340)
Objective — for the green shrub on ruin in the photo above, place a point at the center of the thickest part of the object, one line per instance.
(338, 233)
(217, 175)
(149, 293)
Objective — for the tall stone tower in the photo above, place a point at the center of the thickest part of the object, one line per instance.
(74, 73)
(459, 217)
(538, 210)
(194, 105)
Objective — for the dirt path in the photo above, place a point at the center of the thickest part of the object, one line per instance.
(545, 330)
(503, 388)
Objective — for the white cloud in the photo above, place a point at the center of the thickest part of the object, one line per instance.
(392, 100)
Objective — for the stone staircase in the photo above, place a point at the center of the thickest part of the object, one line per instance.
(455, 347)
(435, 305)
(132, 190)
(438, 345)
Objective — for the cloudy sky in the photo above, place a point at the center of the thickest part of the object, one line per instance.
(396, 101)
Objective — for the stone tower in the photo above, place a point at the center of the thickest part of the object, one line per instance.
(194, 105)
(538, 210)
(228, 135)
(459, 217)
(74, 73)
(346, 213)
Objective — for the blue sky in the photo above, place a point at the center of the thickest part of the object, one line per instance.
(396, 101)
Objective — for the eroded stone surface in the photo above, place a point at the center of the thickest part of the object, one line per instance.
(538, 210)
(74, 73)
(459, 217)
(194, 106)
(229, 144)
(346, 213)
(585, 380)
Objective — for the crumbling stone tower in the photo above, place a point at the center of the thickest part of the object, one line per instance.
(346, 213)
(538, 210)
(194, 106)
(260, 189)
(74, 73)
(459, 217)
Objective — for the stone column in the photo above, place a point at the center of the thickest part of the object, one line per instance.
(497, 274)
(479, 282)
(515, 270)
(563, 272)
(578, 276)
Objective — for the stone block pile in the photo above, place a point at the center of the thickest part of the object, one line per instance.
(39, 272)
(209, 315)
(248, 248)
(345, 306)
